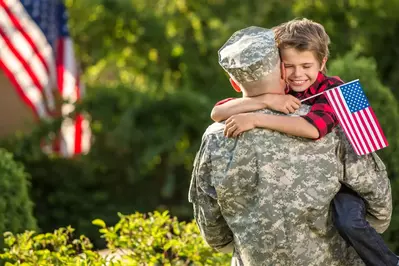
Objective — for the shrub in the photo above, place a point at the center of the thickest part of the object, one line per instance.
(159, 239)
(49, 249)
(16, 208)
(145, 239)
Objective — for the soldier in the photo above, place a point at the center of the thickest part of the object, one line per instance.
(266, 194)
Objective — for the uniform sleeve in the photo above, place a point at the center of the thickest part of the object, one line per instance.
(207, 214)
(322, 116)
(367, 176)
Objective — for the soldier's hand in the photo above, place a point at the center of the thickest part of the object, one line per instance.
(282, 103)
(237, 124)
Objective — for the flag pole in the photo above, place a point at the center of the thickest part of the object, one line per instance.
(328, 90)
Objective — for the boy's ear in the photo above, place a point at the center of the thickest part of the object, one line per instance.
(282, 69)
(235, 85)
(323, 63)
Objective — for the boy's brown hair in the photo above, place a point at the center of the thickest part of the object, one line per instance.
(303, 35)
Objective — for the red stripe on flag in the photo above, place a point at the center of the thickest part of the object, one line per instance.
(22, 61)
(365, 121)
(19, 89)
(78, 122)
(385, 144)
(362, 132)
(361, 127)
(377, 134)
(78, 134)
(346, 115)
(332, 98)
(19, 27)
(60, 65)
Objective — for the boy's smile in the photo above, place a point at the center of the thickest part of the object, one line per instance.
(301, 68)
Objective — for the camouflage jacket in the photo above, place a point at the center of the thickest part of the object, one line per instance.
(267, 195)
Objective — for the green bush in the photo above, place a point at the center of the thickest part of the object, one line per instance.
(145, 239)
(143, 144)
(16, 208)
(58, 248)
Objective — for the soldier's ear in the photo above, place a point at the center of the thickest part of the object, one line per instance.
(235, 86)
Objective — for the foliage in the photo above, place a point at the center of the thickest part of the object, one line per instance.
(58, 248)
(143, 146)
(16, 208)
(370, 27)
(160, 46)
(161, 240)
(152, 76)
(144, 239)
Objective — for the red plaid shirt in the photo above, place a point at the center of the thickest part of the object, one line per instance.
(321, 115)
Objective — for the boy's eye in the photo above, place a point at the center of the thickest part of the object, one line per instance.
(287, 66)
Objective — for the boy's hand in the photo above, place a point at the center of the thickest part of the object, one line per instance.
(282, 103)
(237, 124)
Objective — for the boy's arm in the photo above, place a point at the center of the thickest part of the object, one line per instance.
(291, 125)
(296, 126)
(226, 108)
(321, 116)
(278, 102)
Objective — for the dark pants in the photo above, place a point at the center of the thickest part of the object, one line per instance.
(349, 218)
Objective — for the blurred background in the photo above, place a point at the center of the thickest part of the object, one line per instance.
(150, 74)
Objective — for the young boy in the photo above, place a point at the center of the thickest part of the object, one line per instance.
(304, 51)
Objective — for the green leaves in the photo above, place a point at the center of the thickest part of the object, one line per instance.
(16, 208)
(156, 237)
(57, 248)
(99, 222)
(153, 238)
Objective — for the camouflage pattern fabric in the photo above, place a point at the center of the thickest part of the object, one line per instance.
(249, 54)
(267, 195)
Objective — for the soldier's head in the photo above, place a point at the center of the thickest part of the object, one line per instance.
(251, 58)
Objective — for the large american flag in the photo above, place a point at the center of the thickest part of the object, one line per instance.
(36, 54)
(357, 117)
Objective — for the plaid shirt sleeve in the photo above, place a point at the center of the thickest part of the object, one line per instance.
(321, 114)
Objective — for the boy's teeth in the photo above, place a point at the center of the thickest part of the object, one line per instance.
(298, 82)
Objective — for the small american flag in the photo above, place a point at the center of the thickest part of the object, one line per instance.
(36, 54)
(357, 117)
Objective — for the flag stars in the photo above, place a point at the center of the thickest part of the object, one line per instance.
(354, 97)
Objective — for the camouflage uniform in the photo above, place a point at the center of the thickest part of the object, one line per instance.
(267, 195)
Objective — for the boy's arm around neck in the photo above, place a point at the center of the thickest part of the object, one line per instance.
(278, 102)
(291, 125)
(240, 105)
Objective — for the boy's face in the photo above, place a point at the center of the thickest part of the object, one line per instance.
(301, 68)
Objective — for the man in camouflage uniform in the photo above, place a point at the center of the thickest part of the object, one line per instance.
(266, 195)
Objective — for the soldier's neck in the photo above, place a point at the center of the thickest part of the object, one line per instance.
(264, 86)
(261, 91)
